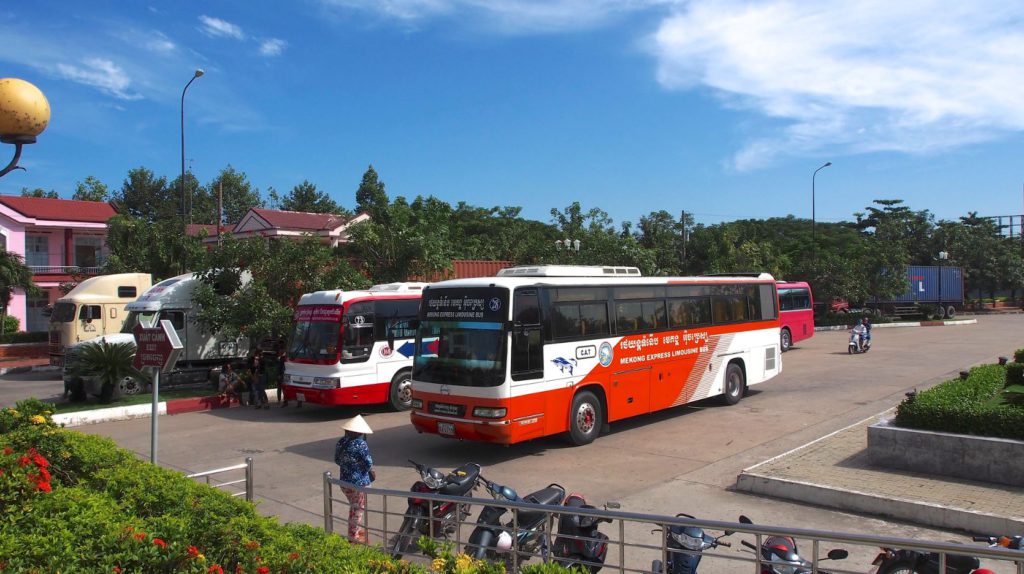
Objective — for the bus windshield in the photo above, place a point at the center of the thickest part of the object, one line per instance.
(63, 313)
(315, 333)
(470, 354)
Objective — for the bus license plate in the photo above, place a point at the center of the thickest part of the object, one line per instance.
(446, 428)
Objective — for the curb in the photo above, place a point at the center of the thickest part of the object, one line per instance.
(113, 414)
(27, 369)
(949, 323)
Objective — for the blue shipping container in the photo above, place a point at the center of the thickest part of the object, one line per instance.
(925, 287)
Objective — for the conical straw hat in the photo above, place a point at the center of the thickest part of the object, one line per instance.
(358, 425)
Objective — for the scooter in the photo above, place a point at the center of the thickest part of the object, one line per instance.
(859, 343)
(686, 546)
(445, 517)
(779, 555)
(893, 561)
(491, 540)
(579, 543)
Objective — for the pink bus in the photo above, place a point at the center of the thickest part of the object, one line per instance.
(796, 313)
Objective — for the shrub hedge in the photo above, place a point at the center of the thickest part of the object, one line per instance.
(968, 406)
(24, 337)
(1018, 356)
(104, 510)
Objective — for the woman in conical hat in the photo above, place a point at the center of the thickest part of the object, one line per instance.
(355, 466)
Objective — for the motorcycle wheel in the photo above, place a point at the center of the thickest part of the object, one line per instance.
(898, 567)
(404, 540)
(849, 349)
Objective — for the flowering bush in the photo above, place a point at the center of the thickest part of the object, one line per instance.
(23, 476)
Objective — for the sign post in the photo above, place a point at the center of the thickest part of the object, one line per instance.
(157, 348)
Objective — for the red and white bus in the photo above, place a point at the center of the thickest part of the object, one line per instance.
(544, 350)
(796, 313)
(339, 353)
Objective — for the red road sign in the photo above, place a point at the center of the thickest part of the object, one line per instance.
(156, 347)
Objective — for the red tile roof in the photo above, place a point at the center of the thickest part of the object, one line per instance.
(60, 209)
(300, 220)
(193, 229)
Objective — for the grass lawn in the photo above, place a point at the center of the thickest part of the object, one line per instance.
(143, 398)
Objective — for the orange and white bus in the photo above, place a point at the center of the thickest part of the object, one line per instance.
(353, 347)
(538, 351)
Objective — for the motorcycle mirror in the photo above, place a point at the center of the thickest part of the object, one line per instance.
(745, 520)
(684, 515)
(837, 554)
(612, 505)
(728, 533)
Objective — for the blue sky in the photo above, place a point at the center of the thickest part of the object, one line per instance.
(717, 107)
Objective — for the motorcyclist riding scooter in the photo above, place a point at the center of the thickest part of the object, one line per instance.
(860, 337)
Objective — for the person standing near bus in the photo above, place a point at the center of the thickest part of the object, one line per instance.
(258, 393)
(355, 466)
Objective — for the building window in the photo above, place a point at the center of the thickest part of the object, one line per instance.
(37, 250)
(3, 242)
(87, 251)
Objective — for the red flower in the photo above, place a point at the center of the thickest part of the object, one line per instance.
(44, 486)
(140, 535)
(215, 569)
(44, 474)
(8, 450)
(23, 461)
(263, 570)
(40, 461)
(252, 545)
(160, 543)
(118, 569)
(1, 472)
(293, 556)
(193, 551)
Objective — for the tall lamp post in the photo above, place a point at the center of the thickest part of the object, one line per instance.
(814, 238)
(570, 245)
(24, 114)
(197, 74)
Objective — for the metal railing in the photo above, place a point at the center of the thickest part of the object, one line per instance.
(247, 480)
(627, 550)
(63, 270)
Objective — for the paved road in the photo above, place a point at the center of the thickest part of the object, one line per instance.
(683, 460)
(45, 385)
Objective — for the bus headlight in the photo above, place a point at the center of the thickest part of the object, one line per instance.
(489, 412)
(416, 404)
(327, 383)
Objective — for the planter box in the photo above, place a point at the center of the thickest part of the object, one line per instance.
(23, 350)
(984, 459)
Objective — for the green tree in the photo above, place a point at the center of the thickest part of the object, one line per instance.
(279, 271)
(404, 241)
(238, 195)
(147, 197)
(110, 364)
(14, 274)
(370, 196)
(306, 197)
(91, 189)
(39, 192)
(200, 205)
(160, 248)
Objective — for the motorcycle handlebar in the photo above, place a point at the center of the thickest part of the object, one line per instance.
(982, 538)
(749, 545)
(726, 544)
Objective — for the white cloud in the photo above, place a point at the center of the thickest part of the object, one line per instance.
(102, 74)
(158, 42)
(868, 76)
(222, 28)
(272, 46)
(506, 16)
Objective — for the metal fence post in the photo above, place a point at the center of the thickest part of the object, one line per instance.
(384, 511)
(622, 546)
(328, 505)
(248, 478)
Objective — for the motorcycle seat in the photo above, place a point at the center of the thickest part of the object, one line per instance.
(461, 480)
(552, 495)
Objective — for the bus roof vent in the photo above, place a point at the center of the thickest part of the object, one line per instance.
(398, 287)
(570, 271)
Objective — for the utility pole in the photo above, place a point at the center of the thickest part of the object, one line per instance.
(220, 207)
(682, 222)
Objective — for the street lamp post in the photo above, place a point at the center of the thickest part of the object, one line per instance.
(194, 76)
(570, 245)
(814, 238)
(24, 114)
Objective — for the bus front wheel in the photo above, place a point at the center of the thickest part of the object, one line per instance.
(400, 392)
(735, 384)
(585, 418)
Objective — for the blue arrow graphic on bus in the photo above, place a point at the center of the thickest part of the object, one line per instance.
(407, 349)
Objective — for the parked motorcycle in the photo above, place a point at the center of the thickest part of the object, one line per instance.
(444, 517)
(492, 540)
(579, 542)
(779, 555)
(859, 343)
(897, 561)
(686, 546)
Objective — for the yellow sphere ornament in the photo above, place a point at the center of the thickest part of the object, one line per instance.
(24, 110)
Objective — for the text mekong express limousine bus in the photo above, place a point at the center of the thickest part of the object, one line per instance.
(544, 350)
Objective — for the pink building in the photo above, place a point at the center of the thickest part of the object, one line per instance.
(58, 238)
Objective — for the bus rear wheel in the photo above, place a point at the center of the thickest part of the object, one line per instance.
(785, 340)
(735, 384)
(400, 392)
(585, 418)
